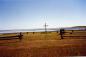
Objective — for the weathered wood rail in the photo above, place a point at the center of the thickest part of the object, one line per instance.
(72, 33)
(19, 36)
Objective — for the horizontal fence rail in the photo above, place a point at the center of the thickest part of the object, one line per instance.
(72, 33)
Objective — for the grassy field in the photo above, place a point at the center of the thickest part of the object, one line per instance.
(42, 45)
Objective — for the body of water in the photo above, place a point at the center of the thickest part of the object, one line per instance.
(38, 30)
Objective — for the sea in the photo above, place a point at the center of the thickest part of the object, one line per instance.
(38, 30)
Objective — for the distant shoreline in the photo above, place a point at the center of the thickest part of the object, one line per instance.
(41, 30)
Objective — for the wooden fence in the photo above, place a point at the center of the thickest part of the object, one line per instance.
(72, 34)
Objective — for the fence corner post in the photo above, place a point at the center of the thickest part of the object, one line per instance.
(61, 32)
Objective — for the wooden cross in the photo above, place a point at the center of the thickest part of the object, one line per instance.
(45, 27)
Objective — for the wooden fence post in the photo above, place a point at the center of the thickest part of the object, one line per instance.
(61, 32)
(20, 36)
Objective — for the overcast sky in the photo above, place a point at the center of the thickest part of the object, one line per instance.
(26, 14)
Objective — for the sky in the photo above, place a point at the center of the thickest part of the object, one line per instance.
(29, 14)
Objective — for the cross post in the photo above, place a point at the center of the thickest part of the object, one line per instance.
(45, 27)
